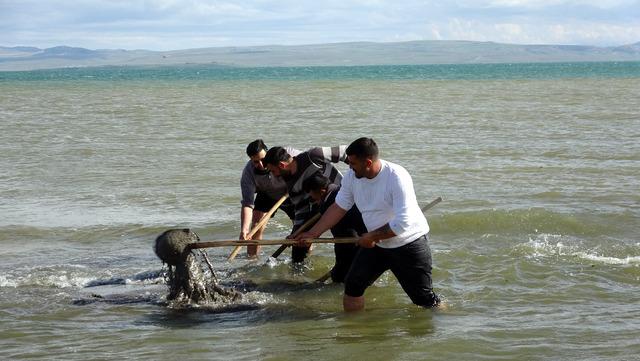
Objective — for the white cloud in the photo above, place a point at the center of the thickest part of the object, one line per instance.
(173, 24)
(549, 33)
(538, 4)
(434, 31)
(511, 33)
(589, 33)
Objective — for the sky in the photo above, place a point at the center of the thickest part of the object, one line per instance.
(173, 25)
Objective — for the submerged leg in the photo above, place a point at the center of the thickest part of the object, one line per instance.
(351, 304)
(367, 266)
(253, 251)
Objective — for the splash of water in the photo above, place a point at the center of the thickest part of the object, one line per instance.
(189, 274)
(191, 283)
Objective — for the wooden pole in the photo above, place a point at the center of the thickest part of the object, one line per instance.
(302, 228)
(263, 221)
(266, 242)
(431, 204)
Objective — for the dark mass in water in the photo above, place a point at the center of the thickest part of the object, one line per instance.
(190, 275)
(117, 299)
(172, 246)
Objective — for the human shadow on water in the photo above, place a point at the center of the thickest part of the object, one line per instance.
(107, 291)
(262, 303)
(272, 287)
(230, 316)
(378, 325)
(276, 286)
(119, 299)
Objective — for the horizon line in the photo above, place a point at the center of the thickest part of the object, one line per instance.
(329, 43)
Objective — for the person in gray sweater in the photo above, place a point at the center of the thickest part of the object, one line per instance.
(261, 190)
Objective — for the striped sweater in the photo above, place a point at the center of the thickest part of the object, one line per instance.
(314, 160)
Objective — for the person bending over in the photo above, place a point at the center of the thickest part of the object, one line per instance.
(323, 193)
(294, 169)
(261, 190)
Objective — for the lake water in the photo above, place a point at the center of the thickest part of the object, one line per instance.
(536, 244)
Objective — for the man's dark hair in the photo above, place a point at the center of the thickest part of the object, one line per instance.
(315, 183)
(363, 148)
(275, 155)
(255, 147)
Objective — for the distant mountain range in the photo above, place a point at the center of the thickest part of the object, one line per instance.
(339, 54)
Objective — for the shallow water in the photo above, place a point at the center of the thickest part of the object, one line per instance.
(535, 245)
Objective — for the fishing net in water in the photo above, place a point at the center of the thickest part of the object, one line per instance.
(190, 275)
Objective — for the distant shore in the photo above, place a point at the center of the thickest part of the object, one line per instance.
(338, 54)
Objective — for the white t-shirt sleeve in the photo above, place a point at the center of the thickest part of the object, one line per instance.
(344, 198)
(402, 195)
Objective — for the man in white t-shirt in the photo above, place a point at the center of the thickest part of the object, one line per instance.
(397, 237)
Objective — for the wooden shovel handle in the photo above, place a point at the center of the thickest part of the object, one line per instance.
(266, 242)
(258, 225)
(302, 228)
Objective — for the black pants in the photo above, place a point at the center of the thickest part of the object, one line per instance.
(345, 253)
(411, 264)
(298, 254)
(263, 203)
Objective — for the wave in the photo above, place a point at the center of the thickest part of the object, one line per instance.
(628, 260)
(531, 221)
(50, 214)
(70, 276)
(29, 236)
(566, 247)
(61, 279)
(5, 282)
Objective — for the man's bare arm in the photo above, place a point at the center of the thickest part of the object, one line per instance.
(246, 216)
(369, 239)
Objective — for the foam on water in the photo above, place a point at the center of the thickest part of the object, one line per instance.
(5, 282)
(566, 248)
(545, 245)
(629, 260)
(129, 281)
(46, 278)
(73, 276)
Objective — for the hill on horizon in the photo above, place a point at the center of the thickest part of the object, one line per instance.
(335, 54)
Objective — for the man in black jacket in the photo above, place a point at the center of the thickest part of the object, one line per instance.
(323, 193)
(294, 170)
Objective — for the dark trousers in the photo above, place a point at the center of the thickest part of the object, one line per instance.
(345, 253)
(411, 264)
